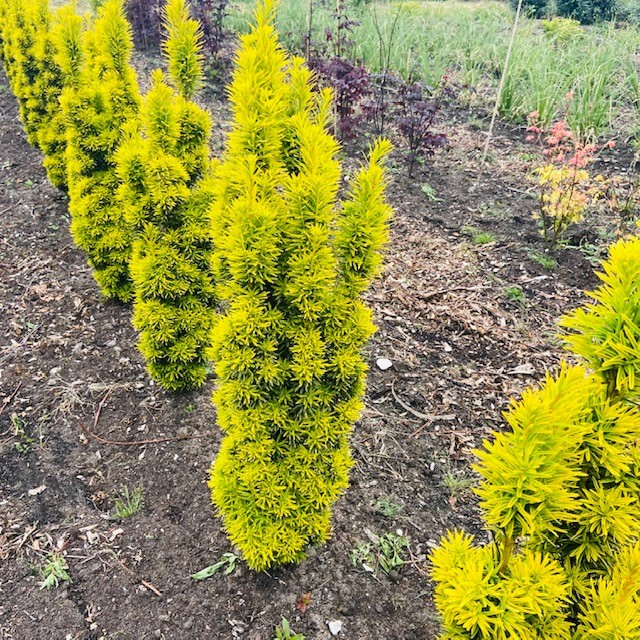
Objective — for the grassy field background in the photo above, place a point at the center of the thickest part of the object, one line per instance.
(600, 65)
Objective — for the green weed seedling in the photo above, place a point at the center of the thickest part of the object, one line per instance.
(285, 632)
(474, 122)
(391, 548)
(227, 564)
(25, 441)
(128, 503)
(477, 236)
(430, 192)
(544, 260)
(456, 483)
(593, 253)
(385, 551)
(388, 507)
(362, 556)
(528, 156)
(54, 572)
(515, 294)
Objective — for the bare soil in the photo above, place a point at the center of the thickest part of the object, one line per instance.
(460, 347)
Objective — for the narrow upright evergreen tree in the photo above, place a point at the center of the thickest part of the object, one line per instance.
(166, 195)
(22, 69)
(58, 49)
(292, 263)
(4, 28)
(44, 86)
(97, 109)
(37, 79)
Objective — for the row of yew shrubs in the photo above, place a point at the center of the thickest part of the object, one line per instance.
(250, 260)
(253, 261)
(560, 491)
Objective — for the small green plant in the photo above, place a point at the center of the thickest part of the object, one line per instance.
(54, 571)
(385, 552)
(128, 503)
(388, 506)
(430, 192)
(477, 236)
(543, 259)
(284, 632)
(25, 441)
(391, 548)
(456, 483)
(528, 156)
(362, 555)
(515, 294)
(226, 564)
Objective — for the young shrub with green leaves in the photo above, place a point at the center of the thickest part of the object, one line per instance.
(562, 484)
(292, 263)
(163, 165)
(97, 109)
(479, 600)
(4, 18)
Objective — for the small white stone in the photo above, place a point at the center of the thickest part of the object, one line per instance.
(335, 626)
(384, 364)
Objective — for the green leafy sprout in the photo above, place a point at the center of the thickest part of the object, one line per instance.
(226, 564)
(128, 503)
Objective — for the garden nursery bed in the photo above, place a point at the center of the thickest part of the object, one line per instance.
(466, 310)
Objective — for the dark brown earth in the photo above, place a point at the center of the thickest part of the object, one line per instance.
(68, 362)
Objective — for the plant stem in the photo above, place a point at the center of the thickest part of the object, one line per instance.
(507, 552)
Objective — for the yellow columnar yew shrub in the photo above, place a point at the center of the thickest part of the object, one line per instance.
(15, 41)
(4, 18)
(292, 262)
(64, 30)
(560, 492)
(97, 109)
(23, 21)
(30, 52)
(164, 168)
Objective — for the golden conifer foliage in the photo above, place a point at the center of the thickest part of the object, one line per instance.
(291, 263)
(563, 484)
(606, 332)
(30, 45)
(97, 108)
(59, 48)
(28, 51)
(163, 165)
